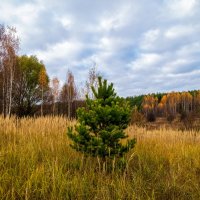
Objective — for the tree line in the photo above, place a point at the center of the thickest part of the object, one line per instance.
(168, 104)
(26, 88)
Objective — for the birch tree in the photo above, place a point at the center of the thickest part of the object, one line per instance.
(149, 104)
(9, 45)
(55, 92)
(92, 81)
(71, 91)
(186, 101)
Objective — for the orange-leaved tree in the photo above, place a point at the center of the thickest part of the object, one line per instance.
(43, 81)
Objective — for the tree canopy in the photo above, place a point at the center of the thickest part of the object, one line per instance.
(27, 83)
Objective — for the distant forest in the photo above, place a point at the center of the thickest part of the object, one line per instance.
(167, 103)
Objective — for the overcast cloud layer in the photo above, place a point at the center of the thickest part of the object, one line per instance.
(142, 46)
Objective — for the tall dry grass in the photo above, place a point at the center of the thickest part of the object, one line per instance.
(36, 162)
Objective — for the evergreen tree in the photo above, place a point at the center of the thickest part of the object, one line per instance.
(102, 123)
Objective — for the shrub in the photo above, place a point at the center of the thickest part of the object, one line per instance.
(102, 123)
(188, 120)
(137, 117)
(170, 118)
(151, 117)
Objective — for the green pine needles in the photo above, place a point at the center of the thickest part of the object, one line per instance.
(101, 124)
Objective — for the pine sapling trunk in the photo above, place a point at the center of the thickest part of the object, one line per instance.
(54, 106)
(69, 109)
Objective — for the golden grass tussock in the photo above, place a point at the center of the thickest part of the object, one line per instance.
(36, 162)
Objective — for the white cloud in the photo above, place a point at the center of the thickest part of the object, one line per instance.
(191, 49)
(145, 61)
(118, 19)
(182, 8)
(65, 21)
(24, 17)
(180, 31)
(66, 49)
(149, 38)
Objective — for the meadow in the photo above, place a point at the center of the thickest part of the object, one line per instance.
(36, 162)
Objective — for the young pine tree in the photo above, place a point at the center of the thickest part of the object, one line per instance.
(102, 123)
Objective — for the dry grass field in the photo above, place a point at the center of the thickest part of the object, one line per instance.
(36, 162)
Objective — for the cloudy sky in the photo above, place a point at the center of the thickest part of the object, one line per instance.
(142, 46)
